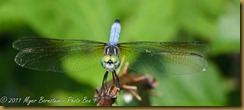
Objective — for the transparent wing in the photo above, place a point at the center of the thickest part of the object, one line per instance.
(57, 55)
(165, 57)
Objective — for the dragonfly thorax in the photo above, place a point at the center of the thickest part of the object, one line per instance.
(110, 60)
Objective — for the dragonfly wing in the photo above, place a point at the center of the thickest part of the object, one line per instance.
(57, 55)
(165, 57)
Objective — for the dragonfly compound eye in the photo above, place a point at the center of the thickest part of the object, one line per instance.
(106, 58)
(116, 61)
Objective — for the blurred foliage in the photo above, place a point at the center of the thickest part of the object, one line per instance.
(216, 22)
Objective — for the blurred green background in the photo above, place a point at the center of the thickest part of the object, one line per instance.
(216, 22)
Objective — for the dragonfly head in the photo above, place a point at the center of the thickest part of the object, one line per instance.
(110, 62)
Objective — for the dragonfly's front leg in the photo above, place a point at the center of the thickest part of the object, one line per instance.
(116, 79)
(104, 86)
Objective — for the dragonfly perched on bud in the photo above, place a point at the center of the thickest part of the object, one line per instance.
(47, 54)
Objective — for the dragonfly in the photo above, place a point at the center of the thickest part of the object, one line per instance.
(159, 58)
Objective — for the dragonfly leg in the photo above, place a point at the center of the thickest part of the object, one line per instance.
(114, 79)
(104, 86)
(117, 83)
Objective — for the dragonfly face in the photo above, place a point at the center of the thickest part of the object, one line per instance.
(110, 60)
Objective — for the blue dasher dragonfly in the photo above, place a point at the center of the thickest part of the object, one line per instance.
(47, 54)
